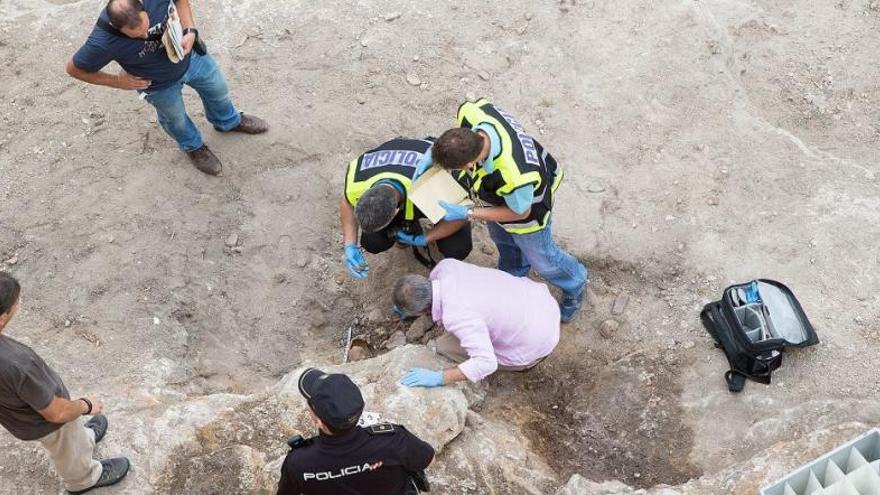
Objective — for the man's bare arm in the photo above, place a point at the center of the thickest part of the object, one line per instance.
(122, 80)
(185, 12)
(186, 21)
(349, 224)
(444, 229)
(64, 411)
(499, 214)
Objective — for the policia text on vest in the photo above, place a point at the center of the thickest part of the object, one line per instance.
(509, 165)
(392, 165)
(522, 161)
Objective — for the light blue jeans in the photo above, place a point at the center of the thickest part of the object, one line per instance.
(205, 77)
(517, 253)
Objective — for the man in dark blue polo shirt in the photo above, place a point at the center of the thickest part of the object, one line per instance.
(130, 33)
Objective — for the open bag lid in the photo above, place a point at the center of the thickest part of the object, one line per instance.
(786, 321)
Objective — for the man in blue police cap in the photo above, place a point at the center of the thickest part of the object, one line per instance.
(345, 458)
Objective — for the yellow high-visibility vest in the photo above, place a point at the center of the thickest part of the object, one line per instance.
(396, 159)
(521, 162)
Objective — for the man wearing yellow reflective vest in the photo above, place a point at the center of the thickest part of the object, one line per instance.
(377, 186)
(514, 180)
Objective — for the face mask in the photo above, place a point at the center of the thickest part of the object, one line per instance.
(400, 313)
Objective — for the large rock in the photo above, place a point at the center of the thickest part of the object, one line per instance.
(578, 485)
(239, 441)
(436, 415)
(493, 454)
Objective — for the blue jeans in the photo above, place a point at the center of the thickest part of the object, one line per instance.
(517, 253)
(205, 77)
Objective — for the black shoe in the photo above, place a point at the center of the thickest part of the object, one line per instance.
(570, 306)
(205, 160)
(114, 470)
(99, 424)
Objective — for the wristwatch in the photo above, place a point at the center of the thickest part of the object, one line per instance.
(195, 31)
(470, 213)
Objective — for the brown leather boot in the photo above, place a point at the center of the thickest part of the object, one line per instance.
(205, 160)
(251, 125)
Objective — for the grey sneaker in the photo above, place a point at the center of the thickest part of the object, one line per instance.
(205, 160)
(114, 470)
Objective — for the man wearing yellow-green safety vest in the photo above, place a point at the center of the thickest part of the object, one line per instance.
(377, 186)
(514, 179)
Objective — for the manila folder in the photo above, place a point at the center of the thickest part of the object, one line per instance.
(434, 185)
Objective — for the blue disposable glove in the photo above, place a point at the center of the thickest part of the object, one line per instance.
(423, 165)
(355, 262)
(412, 239)
(453, 212)
(420, 377)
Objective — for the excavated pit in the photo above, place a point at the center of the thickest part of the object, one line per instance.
(605, 421)
(609, 407)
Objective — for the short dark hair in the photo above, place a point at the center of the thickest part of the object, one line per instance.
(9, 292)
(125, 13)
(334, 430)
(376, 208)
(456, 148)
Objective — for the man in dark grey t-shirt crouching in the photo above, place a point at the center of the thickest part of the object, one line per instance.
(35, 405)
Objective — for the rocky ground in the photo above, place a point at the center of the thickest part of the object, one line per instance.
(705, 142)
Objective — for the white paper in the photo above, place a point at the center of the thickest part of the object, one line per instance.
(369, 419)
(175, 30)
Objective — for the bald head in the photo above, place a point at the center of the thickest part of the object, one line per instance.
(125, 13)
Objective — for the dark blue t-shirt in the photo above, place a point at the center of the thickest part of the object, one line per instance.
(142, 58)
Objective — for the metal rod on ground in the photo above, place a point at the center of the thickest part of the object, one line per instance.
(347, 347)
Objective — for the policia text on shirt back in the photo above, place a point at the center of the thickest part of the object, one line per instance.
(381, 459)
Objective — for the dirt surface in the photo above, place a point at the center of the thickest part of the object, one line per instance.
(705, 143)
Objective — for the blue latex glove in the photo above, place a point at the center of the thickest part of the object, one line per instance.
(420, 377)
(412, 239)
(355, 262)
(423, 165)
(453, 212)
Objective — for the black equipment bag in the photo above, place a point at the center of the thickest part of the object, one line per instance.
(753, 323)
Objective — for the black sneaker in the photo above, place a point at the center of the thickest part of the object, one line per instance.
(570, 306)
(99, 424)
(114, 470)
(205, 160)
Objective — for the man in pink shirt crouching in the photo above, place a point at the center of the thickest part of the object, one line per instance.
(493, 320)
